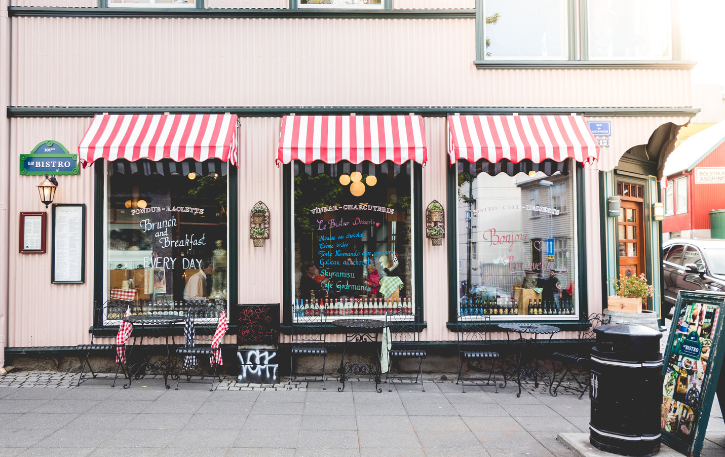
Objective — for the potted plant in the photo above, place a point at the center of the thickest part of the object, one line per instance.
(436, 234)
(258, 234)
(436, 212)
(632, 292)
(258, 211)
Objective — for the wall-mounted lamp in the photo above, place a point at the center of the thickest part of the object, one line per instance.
(47, 189)
(659, 211)
(614, 206)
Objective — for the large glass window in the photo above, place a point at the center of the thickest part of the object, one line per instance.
(166, 237)
(681, 195)
(526, 29)
(629, 29)
(352, 239)
(525, 266)
(340, 3)
(153, 3)
(670, 200)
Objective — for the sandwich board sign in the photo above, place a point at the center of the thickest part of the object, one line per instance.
(693, 360)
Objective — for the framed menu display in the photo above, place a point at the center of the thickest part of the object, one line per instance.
(32, 233)
(693, 358)
(69, 244)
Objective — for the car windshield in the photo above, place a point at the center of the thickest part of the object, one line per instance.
(716, 260)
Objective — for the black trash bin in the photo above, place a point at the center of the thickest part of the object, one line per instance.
(626, 392)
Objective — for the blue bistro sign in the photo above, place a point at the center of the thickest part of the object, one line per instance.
(49, 158)
(600, 128)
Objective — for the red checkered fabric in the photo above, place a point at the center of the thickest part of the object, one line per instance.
(221, 329)
(123, 294)
(124, 332)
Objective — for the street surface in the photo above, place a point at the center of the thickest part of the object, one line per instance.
(41, 414)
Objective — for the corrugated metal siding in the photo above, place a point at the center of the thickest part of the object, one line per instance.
(40, 313)
(272, 4)
(58, 3)
(268, 62)
(707, 197)
(626, 133)
(434, 4)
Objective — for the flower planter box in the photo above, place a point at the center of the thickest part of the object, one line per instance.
(257, 218)
(624, 305)
(258, 242)
(436, 215)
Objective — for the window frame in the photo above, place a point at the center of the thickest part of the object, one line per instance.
(297, 5)
(670, 195)
(570, 48)
(585, 47)
(288, 261)
(100, 241)
(678, 210)
(576, 321)
(197, 4)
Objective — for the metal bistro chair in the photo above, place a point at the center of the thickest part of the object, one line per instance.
(580, 358)
(197, 345)
(112, 312)
(474, 343)
(405, 343)
(309, 338)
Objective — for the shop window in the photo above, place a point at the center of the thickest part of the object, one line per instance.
(526, 29)
(681, 195)
(670, 200)
(352, 238)
(340, 3)
(166, 237)
(629, 29)
(517, 255)
(152, 3)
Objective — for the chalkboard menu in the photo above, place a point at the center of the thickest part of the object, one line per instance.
(693, 358)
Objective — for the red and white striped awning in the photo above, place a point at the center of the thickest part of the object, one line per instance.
(160, 136)
(352, 138)
(518, 138)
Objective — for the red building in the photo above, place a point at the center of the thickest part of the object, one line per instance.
(695, 174)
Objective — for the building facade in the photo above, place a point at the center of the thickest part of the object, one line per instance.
(188, 115)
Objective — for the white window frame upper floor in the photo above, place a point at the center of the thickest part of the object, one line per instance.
(384, 5)
(196, 4)
(679, 208)
(670, 200)
(578, 55)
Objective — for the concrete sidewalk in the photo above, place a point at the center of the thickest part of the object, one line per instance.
(42, 414)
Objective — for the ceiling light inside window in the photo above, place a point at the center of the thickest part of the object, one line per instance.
(371, 181)
(345, 180)
(192, 175)
(357, 189)
(141, 204)
(356, 176)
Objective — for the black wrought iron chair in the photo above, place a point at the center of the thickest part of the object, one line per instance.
(576, 358)
(474, 343)
(197, 346)
(109, 311)
(309, 338)
(404, 343)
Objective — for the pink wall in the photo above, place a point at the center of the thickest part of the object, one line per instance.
(279, 62)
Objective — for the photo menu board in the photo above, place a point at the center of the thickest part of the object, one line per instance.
(693, 358)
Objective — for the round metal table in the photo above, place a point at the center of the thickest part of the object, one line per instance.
(364, 332)
(524, 370)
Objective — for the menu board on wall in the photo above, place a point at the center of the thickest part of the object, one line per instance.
(693, 359)
(32, 232)
(69, 244)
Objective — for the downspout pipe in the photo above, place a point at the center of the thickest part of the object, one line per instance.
(4, 176)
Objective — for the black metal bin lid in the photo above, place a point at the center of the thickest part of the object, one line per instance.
(628, 342)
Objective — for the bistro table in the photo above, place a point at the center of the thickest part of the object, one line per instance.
(523, 370)
(360, 331)
(153, 326)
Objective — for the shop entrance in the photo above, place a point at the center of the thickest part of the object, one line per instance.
(630, 231)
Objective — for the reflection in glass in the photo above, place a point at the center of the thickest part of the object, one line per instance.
(339, 3)
(622, 250)
(630, 215)
(631, 249)
(516, 253)
(526, 29)
(629, 29)
(631, 232)
(621, 232)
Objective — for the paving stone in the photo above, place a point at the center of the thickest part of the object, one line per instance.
(58, 452)
(162, 407)
(120, 407)
(69, 438)
(275, 408)
(457, 451)
(431, 410)
(114, 451)
(268, 438)
(19, 406)
(384, 423)
(215, 422)
(321, 439)
(160, 421)
(201, 439)
(23, 438)
(329, 422)
(327, 452)
(142, 438)
(480, 409)
(193, 452)
(260, 452)
(272, 421)
(36, 421)
(391, 452)
(388, 439)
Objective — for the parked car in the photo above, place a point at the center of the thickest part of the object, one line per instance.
(692, 265)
